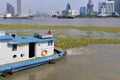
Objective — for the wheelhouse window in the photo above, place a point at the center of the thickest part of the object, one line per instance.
(14, 48)
(50, 43)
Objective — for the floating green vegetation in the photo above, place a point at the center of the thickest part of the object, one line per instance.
(67, 43)
(37, 27)
(105, 29)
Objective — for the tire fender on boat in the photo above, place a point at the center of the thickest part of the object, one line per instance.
(44, 53)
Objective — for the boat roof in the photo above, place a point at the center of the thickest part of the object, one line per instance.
(6, 37)
(30, 39)
(25, 39)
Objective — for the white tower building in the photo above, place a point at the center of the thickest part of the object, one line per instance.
(110, 7)
(102, 9)
(106, 8)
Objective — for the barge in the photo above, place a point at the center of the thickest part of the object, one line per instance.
(25, 17)
(20, 53)
(65, 17)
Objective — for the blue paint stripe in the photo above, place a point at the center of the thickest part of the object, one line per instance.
(31, 63)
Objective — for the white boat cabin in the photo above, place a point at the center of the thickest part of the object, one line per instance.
(15, 49)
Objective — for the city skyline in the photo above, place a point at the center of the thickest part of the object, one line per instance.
(53, 5)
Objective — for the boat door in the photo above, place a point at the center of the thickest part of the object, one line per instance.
(31, 50)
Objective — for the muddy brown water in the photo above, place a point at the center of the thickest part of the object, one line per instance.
(94, 62)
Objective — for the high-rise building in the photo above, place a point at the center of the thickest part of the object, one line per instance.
(68, 7)
(90, 6)
(18, 7)
(83, 11)
(68, 11)
(103, 9)
(10, 9)
(110, 7)
(106, 8)
(117, 6)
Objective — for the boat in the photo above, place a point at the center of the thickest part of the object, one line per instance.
(23, 17)
(20, 53)
(65, 17)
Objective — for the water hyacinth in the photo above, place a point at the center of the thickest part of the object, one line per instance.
(67, 43)
(40, 27)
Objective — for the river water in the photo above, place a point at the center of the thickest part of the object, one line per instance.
(108, 22)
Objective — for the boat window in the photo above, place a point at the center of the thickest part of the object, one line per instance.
(22, 55)
(14, 56)
(50, 43)
(14, 48)
(13, 35)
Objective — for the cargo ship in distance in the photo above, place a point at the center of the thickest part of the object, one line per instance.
(65, 17)
(22, 17)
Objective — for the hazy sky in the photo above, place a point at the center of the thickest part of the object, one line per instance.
(47, 5)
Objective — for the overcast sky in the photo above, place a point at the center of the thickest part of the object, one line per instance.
(47, 5)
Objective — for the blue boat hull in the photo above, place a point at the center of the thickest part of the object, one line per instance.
(11, 68)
